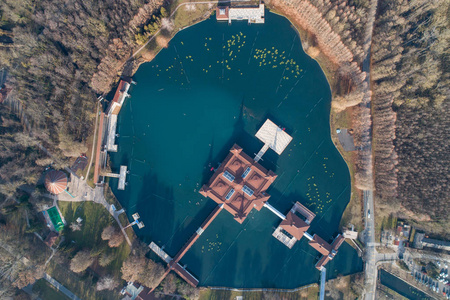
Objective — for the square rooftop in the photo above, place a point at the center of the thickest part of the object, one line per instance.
(273, 136)
(240, 184)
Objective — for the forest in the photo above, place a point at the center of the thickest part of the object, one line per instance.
(411, 86)
(58, 56)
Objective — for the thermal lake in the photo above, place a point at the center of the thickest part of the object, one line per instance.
(214, 86)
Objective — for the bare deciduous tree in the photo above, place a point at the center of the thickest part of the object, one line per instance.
(81, 261)
(107, 283)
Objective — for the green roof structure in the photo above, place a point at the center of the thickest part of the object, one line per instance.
(53, 213)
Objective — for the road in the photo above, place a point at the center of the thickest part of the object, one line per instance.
(370, 255)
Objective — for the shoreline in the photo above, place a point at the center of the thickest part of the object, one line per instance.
(329, 70)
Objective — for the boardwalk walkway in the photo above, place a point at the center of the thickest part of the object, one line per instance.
(60, 287)
(323, 279)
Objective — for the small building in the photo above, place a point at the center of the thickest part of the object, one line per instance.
(55, 182)
(252, 14)
(240, 184)
(294, 226)
(222, 13)
(51, 238)
(328, 251)
(119, 97)
(132, 290)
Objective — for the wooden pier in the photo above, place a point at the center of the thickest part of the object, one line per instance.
(122, 176)
(261, 153)
(274, 210)
(172, 263)
(160, 252)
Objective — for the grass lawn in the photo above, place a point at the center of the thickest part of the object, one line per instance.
(95, 219)
(353, 212)
(46, 291)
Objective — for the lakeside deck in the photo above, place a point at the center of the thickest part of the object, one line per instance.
(111, 139)
(254, 15)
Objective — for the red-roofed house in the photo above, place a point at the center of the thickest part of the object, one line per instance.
(119, 97)
(294, 225)
(328, 251)
(222, 13)
(320, 245)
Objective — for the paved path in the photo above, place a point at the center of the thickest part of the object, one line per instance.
(262, 290)
(94, 138)
(60, 287)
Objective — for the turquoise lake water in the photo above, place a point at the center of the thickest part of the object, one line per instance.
(214, 86)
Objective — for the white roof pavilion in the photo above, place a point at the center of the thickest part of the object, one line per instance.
(252, 14)
(273, 136)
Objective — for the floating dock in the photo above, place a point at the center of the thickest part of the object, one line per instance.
(273, 137)
(111, 139)
(122, 176)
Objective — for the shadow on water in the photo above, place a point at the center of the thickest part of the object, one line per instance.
(189, 226)
(223, 271)
(254, 268)
(162, 199)
(250, 144)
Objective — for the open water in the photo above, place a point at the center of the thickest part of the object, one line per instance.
(214, 86)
